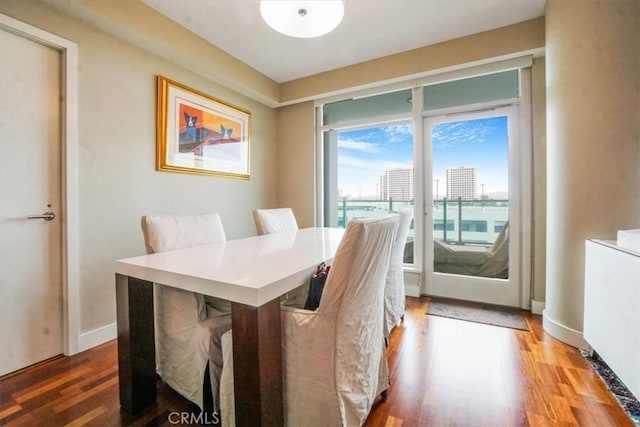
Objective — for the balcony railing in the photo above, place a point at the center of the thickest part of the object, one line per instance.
(459, 221)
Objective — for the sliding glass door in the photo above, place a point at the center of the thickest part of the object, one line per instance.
(472, 220)
(455, 151)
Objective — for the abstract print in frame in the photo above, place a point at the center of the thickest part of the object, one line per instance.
(197, 133)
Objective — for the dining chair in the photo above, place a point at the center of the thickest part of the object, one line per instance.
(187, 323)
(269, 221)
(394, 295)
(334, 362)
(280, 220)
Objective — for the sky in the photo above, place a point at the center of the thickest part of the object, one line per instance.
(364, 154)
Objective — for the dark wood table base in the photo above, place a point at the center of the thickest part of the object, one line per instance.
(257, 355)
(136, 343)
(257, 364)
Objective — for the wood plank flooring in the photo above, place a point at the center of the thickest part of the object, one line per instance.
(444, 372)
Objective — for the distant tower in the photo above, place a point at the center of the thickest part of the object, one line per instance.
(461, 183)
(397, 184)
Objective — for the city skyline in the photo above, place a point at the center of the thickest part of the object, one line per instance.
(397, 184)
(365, 154)
(461, 183)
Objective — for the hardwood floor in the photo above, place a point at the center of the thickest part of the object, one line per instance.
(444, 372)
(447, 372)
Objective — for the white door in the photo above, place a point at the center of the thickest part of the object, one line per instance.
(473, 230)
(30, 181)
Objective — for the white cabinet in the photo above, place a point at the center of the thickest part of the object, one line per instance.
(612, 308)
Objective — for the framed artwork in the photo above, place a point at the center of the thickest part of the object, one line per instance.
(199, 134)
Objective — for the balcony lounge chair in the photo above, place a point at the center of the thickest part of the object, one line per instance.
(474, 260)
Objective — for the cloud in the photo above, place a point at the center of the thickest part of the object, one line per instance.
(378, 136)
(464, 133)
(357, 165)
(362, 146)
(399, 133)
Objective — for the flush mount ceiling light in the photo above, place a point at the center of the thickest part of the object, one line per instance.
(300, 18)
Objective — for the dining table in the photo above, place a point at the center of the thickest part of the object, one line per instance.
(253, 273)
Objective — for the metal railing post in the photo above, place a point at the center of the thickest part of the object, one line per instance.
(344, 213)
(460, 220)
(444, 218)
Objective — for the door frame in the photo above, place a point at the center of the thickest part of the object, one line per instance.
(69, 176)
(507, 292)
(524, 161)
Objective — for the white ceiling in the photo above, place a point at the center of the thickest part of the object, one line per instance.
(370, 29)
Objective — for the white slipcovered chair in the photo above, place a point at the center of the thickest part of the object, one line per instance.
(394, 295)
(187, 325)
(334, 357)
(280, 220)
(269, 221)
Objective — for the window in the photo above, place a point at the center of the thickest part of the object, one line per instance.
(474, 225)
(472, 90)
(438, 225)
(368, 159)
(370, 172)
(498, 225)
(368, 165)
(367, 108)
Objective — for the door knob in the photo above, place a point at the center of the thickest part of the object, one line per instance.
(47, 216)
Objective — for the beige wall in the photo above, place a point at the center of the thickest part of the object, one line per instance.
(296, 161)
(593, 143)
(143, 26)
(117, 178)
(502, 42)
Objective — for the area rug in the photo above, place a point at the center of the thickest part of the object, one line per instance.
(622, 394)
(479, 313)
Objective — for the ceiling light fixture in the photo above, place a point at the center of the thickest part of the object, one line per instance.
(302, 18)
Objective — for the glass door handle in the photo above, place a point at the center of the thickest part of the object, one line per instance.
(47, 216)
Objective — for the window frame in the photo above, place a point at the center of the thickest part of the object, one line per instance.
(523, 64)
(379, 121)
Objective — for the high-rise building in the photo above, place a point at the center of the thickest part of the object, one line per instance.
(397, 184)
(461, 183)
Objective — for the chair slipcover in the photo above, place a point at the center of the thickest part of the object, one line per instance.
(394, 296)
(334, 358)
(187, 324)
(269, 221)
(474, 260)
(280, 220)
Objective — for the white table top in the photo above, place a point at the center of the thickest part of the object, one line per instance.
(251, 271)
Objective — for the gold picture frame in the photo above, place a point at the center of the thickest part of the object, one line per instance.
(199, 134)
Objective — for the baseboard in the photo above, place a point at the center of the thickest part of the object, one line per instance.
(563, 333)
(537, 307)
(412, 290)
(412, 283)
(98, 336)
